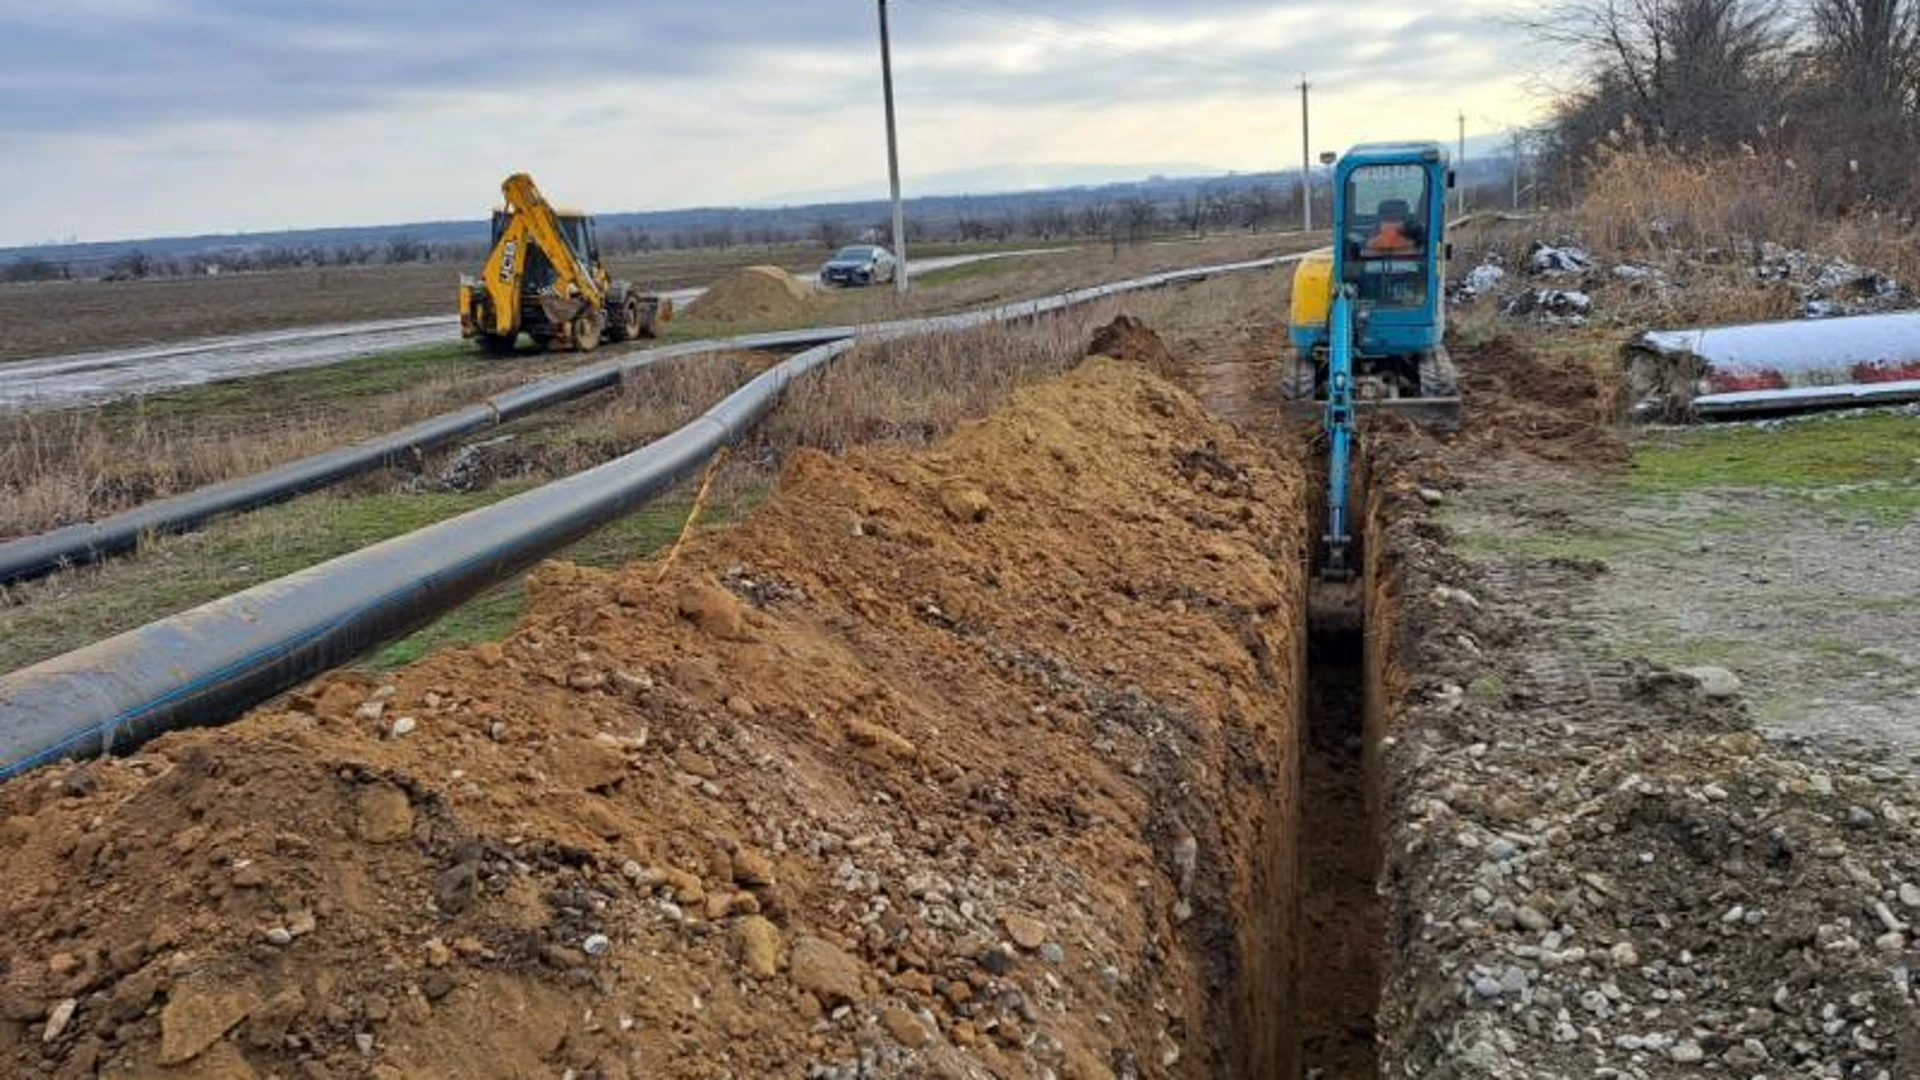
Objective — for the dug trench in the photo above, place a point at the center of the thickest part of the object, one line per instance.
(1347, 694)
(998, 759)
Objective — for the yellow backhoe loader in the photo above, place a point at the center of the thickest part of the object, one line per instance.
(544, 277)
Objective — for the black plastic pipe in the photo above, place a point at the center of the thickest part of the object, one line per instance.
(29, 557)
(203, 665)
(209, 664)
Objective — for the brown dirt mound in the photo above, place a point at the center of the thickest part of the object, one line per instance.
(753, 294)
(947, 763)
(1127, 338)
(1552, 407)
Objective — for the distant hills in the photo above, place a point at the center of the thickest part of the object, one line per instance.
(1000, 179)
(1020, 197)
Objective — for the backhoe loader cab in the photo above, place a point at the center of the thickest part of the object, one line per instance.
(544, 277)
(1389, 259)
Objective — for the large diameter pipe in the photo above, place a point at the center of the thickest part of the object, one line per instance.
(210, 663)
(29, 557)
(1777, 366)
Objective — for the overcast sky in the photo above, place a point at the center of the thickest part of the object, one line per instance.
(125, 118)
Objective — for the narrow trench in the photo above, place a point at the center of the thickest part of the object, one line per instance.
(1341, 920)
(1341, 916)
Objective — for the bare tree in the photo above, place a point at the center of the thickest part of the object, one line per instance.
(406, 248)
(34, 268)
(1870, 51)
(1256, 207)
(1048, 220)
(1219, 207)
(1689, 71)
(130, 266)
(1095, 217)
(1191, 213)
(1829, 89)
(832, 232)
(1138, 219)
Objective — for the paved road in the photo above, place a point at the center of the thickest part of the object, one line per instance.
(93, 378)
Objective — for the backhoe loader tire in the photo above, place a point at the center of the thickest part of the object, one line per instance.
(498, 344)
(631, 322)
(1438, 377)
(1301, 379)
(586, 332)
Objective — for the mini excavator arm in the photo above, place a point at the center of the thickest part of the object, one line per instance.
(1339, 429)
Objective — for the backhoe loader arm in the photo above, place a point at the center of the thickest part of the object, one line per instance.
(533, 222)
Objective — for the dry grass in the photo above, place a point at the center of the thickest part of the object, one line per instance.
(57, 468)
(914, 391)
(650, 403)
(1702, 219)
(1656, 201)
(74, 465)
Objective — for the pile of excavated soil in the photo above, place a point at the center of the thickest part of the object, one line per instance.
(1553, 407)
(966, 762)
(753, 294)
(1127, 338)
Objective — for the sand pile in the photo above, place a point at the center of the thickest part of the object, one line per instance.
(754, 294)
(959, 762)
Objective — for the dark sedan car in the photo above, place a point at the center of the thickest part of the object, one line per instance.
(861, 264)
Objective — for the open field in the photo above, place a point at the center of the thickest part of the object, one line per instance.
(56, 318)
(61, 466)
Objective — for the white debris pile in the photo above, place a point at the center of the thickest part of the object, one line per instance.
(1564, 263)
(1559, 259)
(1483, 280)
(1829, 287)
(1566, 307)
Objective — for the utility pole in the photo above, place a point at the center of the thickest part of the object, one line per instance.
(1460, 197)
(1306, 158)
(1516, 170)
(900, 275)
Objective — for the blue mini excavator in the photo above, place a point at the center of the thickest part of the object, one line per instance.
(1369, 317)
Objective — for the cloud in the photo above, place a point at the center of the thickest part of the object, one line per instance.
(128, 117)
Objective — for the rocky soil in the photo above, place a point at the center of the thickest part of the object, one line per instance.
(1599, 869)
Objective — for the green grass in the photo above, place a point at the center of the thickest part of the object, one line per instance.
(1810, 453)
(972, 270)
(178, 573)
(491, 615)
